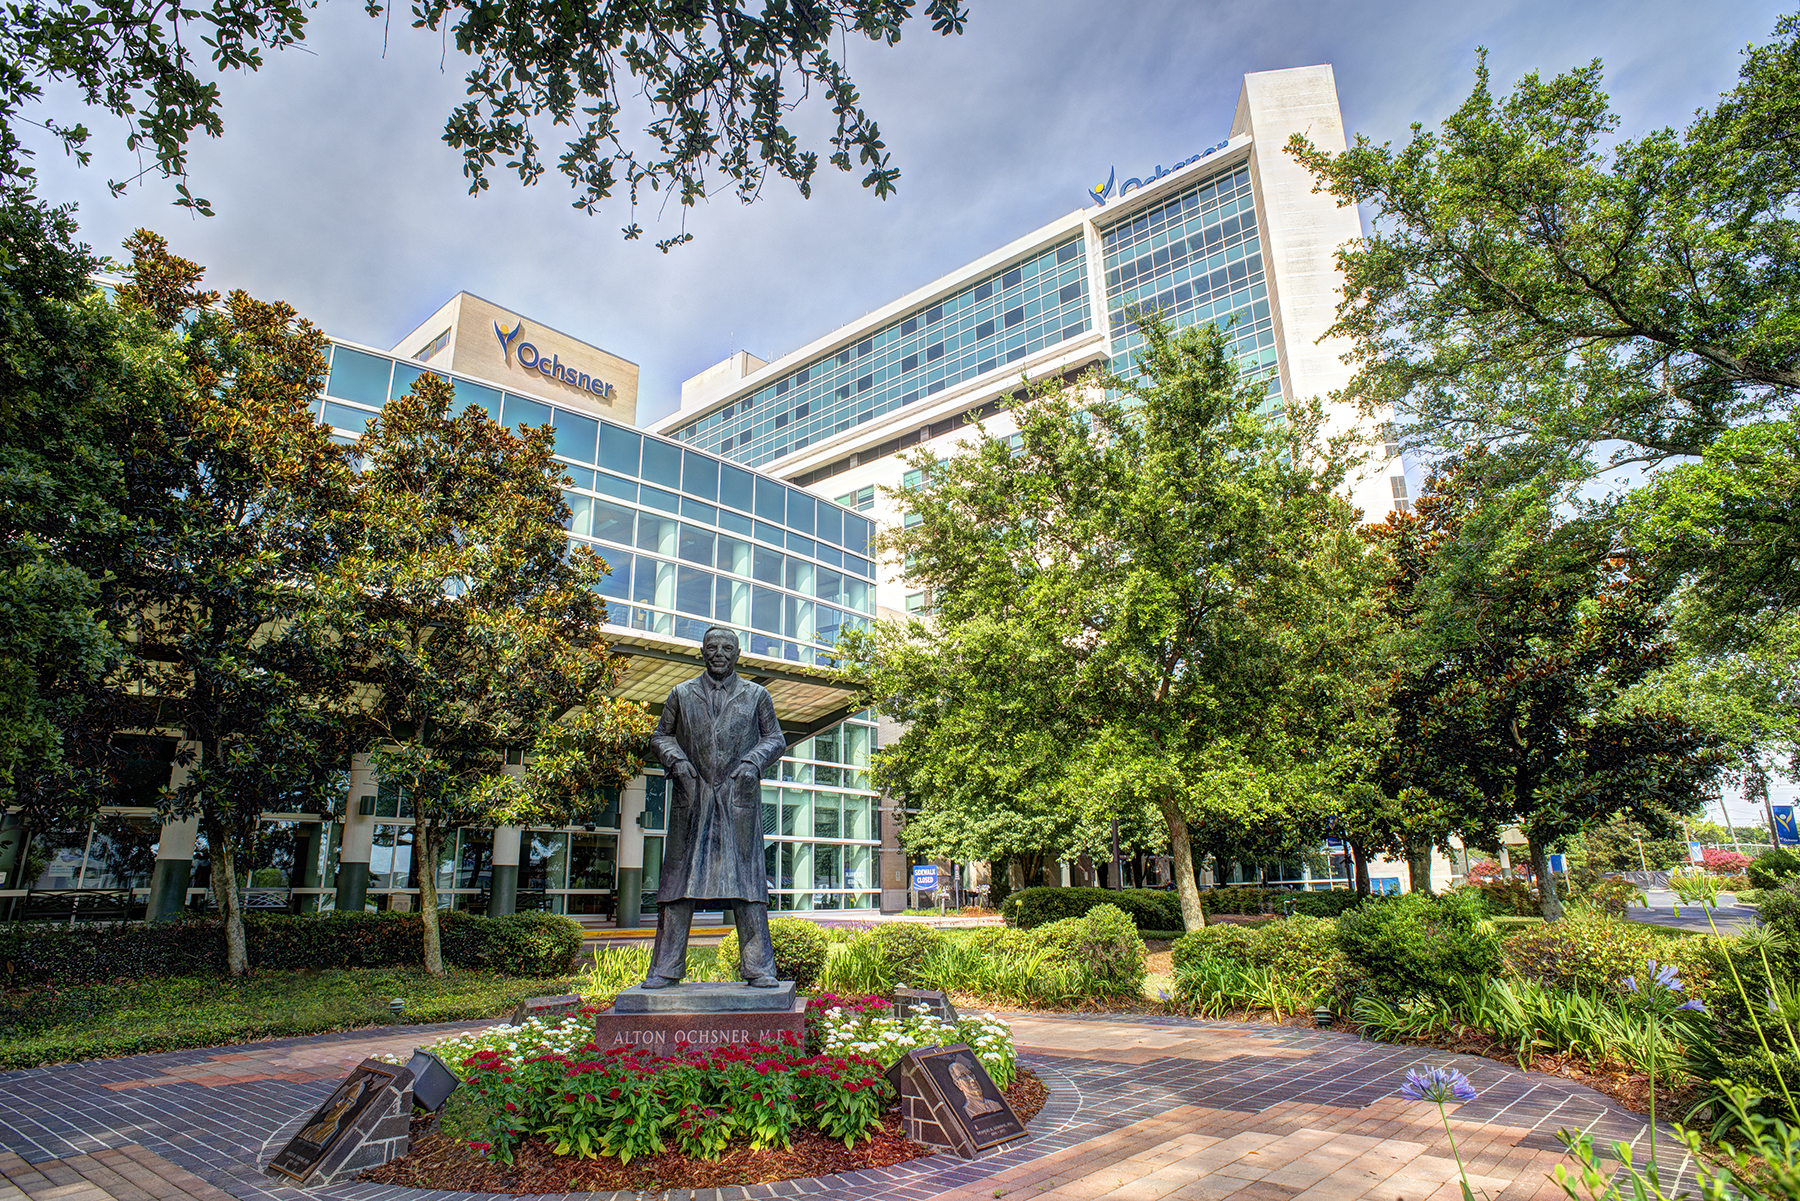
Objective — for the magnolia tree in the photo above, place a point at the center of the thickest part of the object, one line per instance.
(476, 630)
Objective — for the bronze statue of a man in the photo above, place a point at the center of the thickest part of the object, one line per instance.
(716, 737)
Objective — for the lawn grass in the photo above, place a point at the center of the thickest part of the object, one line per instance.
(129, 1017)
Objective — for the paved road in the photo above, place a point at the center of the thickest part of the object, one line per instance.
(1140, 1109)
(1665, 909)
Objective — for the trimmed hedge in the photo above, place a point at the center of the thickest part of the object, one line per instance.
(1156, 911)
(525, 944)
(1148, 908)
(1771, 867)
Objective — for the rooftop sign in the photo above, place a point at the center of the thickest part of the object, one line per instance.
(527, 356)
(1104, 191)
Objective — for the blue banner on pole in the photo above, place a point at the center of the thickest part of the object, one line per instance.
(1786, 828)
(924, 876)
(1556, 864)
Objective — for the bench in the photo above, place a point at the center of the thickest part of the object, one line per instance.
(75, 905)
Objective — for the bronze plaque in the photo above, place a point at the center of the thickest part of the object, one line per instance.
(350, 1106)
(669, 1034)
(969, 1096)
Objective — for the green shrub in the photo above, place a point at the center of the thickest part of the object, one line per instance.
(1300, 947)
(1511, 896)
(800, 949)
(1771, 867)
(1326, 903)
(1103, 943)
(523, 944)
(1148, 908)
(1614, 896)
(1588, 950)
(1418, 944)
(904, 948)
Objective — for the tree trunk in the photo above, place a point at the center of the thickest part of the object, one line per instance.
(1181, 853)
(1015, 873)
(432, 835)
(237, 952)
(1361, 864)
(1549, 904)
(1418, 870)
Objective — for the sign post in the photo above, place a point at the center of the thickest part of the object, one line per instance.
(924, 880)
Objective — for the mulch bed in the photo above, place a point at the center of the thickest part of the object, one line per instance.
(440, 1162)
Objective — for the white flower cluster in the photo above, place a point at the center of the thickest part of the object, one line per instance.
(879, 1035)
(536, 1037)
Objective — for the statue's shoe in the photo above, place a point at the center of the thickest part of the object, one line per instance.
(759, 982)
(657, 982)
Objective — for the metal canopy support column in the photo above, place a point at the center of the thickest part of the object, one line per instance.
(629, 903)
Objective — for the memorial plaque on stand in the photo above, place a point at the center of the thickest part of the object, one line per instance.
(908, 1000)
(545, 1008)
(947, 1099)
(364, 1123)
(667, 1021)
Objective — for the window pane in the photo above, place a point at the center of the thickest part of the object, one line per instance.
(657, 534)
(358, 376)
(830, 523)
(768, 566)
(517, 411)
(694, 591)
(343, 417)
(581, 513)
(736, 487)
(696, 544)
(800, 508)
(699, 475)
(771, 501)
(734, 555)
(617, 586)
(618, 450)
(662, 463)
(765, 610)
(575, 436)
(613, 522)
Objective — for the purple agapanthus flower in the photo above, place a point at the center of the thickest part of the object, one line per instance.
(1693, 1003)
(1437, 1084)
(1665, 977)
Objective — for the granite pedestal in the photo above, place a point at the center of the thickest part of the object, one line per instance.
(668, 1021)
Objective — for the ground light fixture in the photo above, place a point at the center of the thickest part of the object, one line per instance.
(1323, 1017)
(433, 1082)
(397, 1006)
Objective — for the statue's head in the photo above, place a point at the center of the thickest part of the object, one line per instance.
(719, 650)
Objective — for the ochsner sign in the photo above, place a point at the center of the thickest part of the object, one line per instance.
(1102, 192)
(528, 357)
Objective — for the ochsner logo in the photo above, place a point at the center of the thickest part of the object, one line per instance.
(526, 355)
(1103, 192)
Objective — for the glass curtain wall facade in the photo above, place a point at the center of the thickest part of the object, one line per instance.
(991, 322)
(1195, 257)
(693, 540)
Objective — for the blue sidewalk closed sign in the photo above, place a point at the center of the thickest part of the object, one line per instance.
(1786, 828)
(924, 876)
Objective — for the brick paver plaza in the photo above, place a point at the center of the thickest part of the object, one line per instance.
(1141, 1108)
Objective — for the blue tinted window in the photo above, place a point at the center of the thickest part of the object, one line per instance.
(662, 463)
(829, 554)
(517, 411)
(771, 501)
(358, 376)
(765, 610)
(696, 544)
(612, 485)
(404, 375)
(768, 566)
(478, 394)
(733, 522)
(699, 512)
(694, 591)
(656, 498)
(617, 585)
(828, 585)
(735, 488)
(575, 436)
(856, 533)
(619, 450)
(800, 507)
(613, 522)
(582, 476)
(831, 525)
(699, 475)
(801, 546)
(344, 417)
(770, 534)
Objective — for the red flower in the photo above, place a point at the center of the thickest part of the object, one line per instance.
(511, 1108)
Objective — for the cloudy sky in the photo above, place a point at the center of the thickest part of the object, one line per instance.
(335, 193)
